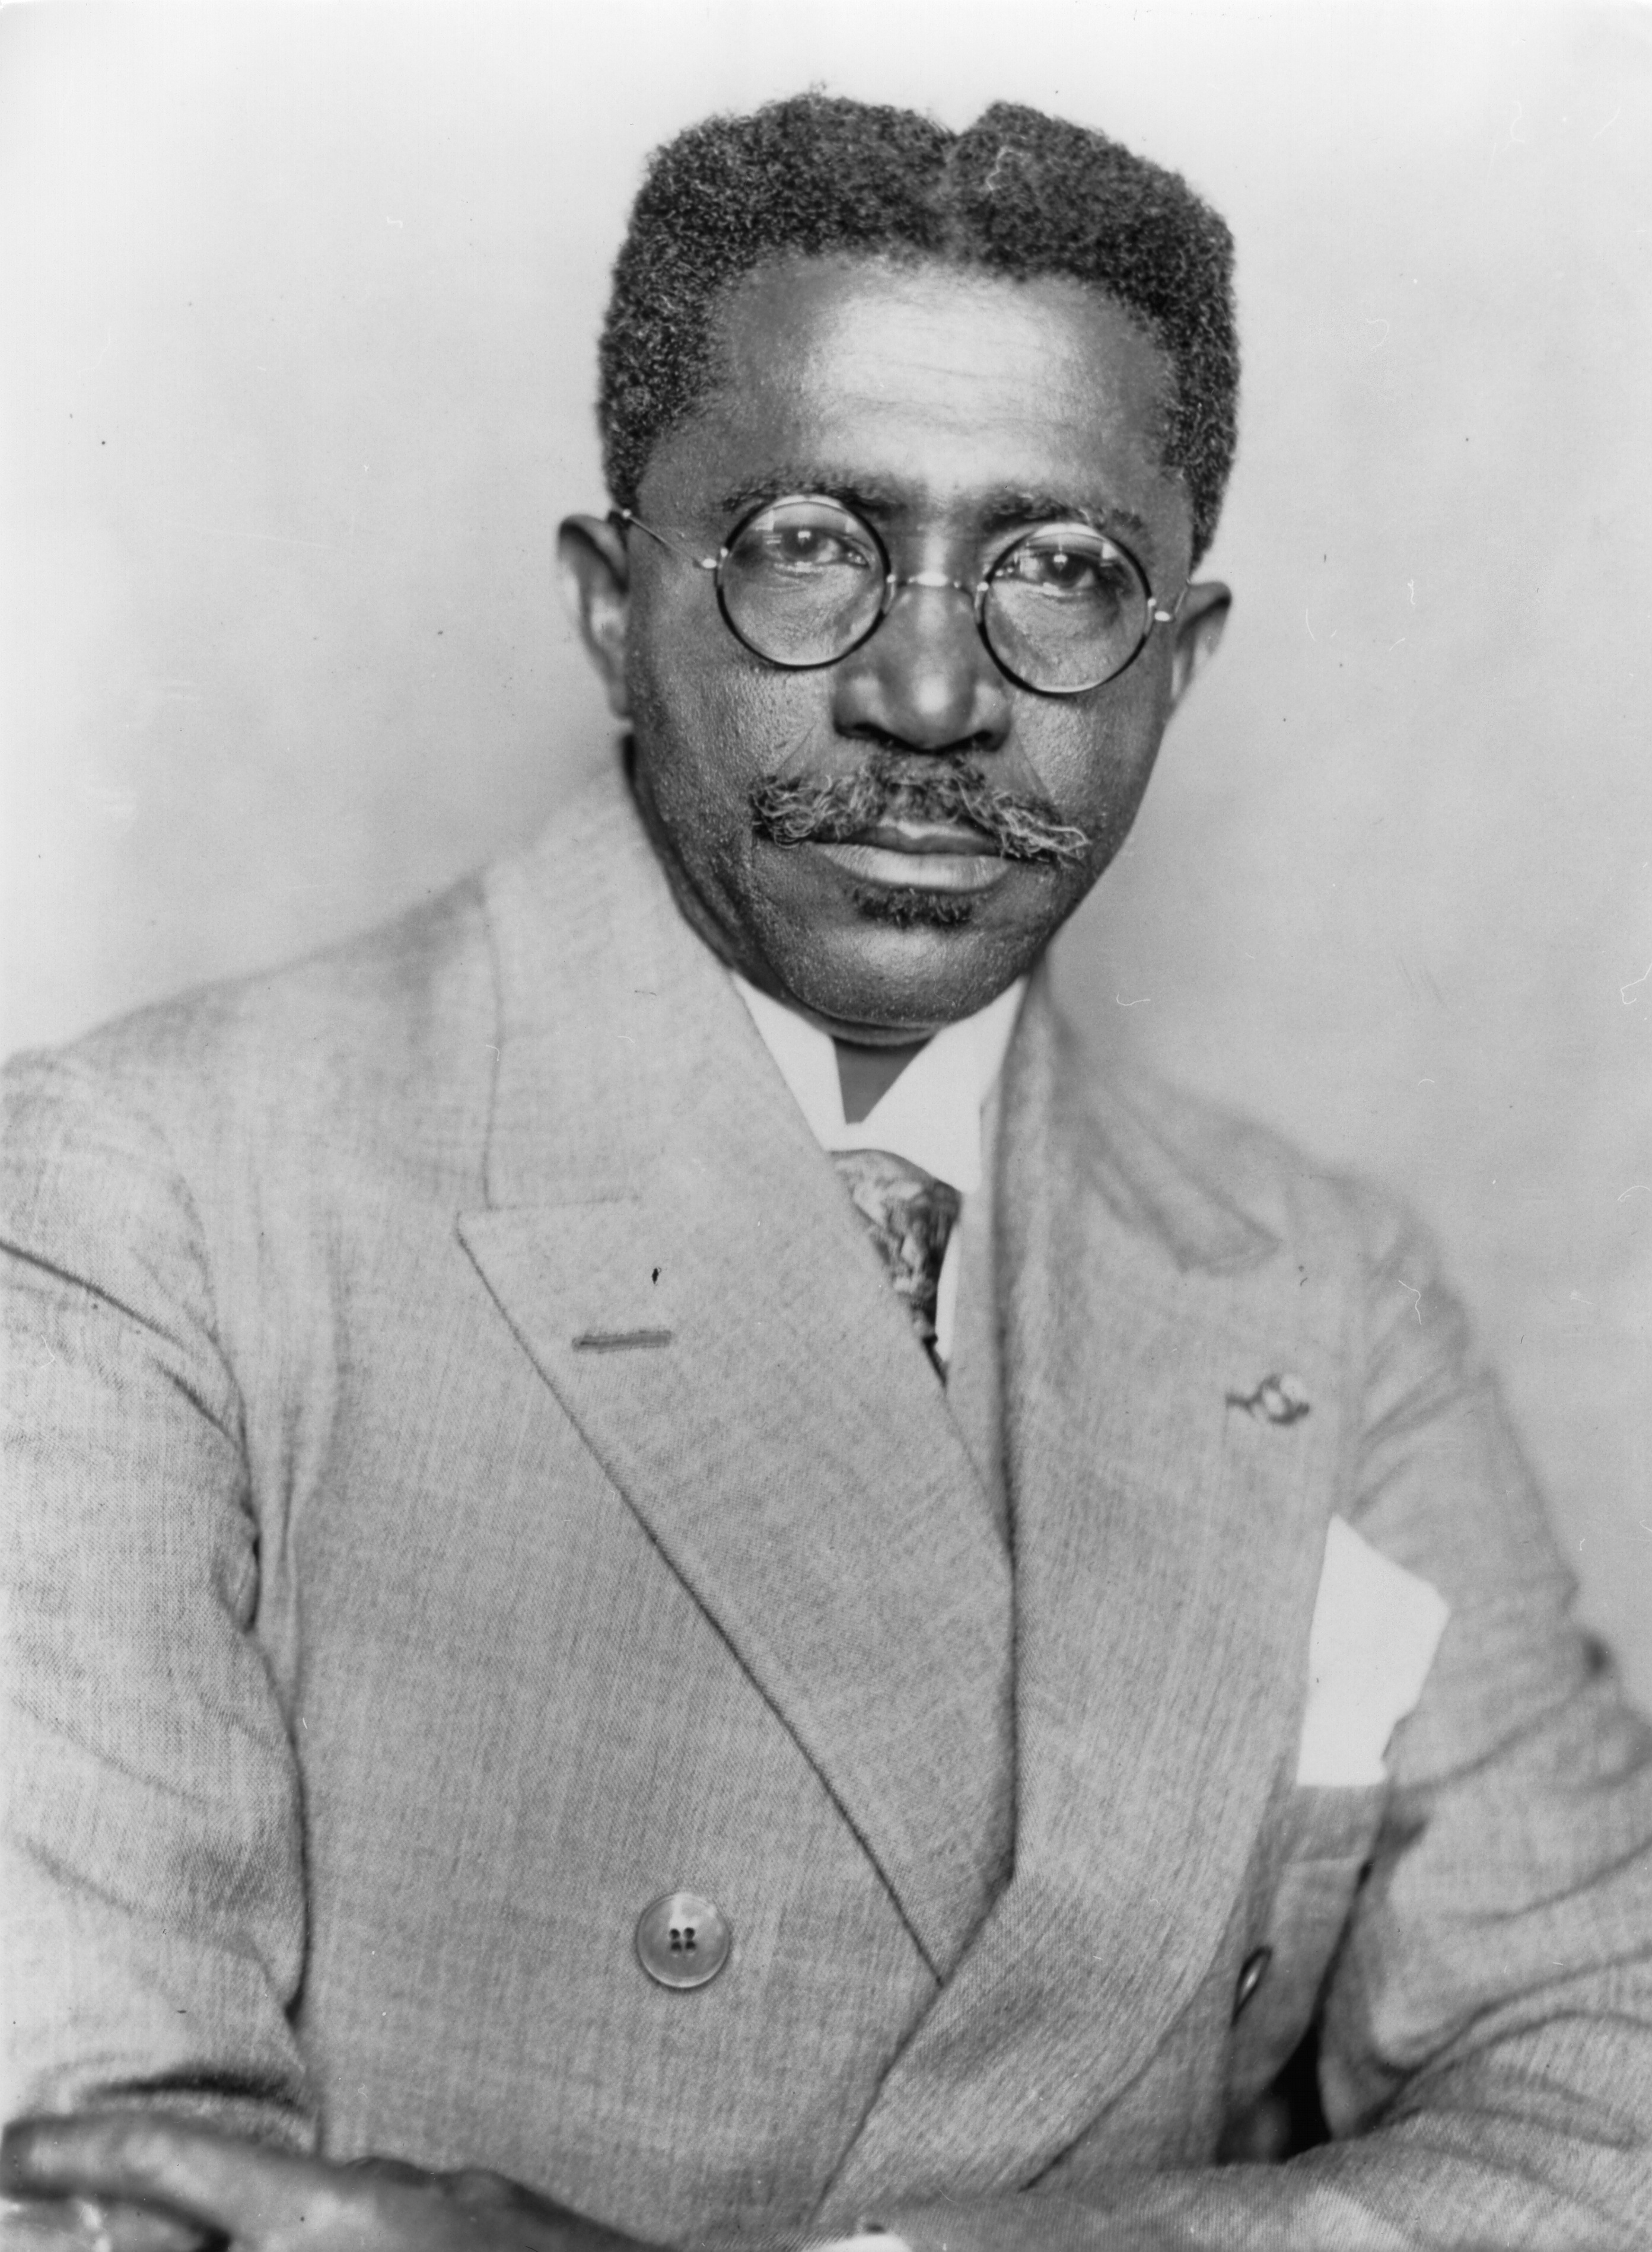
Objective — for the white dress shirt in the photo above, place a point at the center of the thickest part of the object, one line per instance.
(931, 1115)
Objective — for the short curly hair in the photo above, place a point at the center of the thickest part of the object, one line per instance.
(1016, 193)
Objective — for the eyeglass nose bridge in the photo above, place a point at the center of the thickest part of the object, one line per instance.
(936, 582)
(937, 579)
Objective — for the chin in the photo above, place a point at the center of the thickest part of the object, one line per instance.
(900, 973)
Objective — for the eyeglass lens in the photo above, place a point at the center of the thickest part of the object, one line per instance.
(805, 579)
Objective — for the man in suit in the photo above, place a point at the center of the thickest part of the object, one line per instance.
(678, 1580)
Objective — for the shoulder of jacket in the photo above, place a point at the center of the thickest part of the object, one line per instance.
(1258, 1169)
(317, 1034)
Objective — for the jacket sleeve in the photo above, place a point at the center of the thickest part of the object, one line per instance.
(1486, 2031)
(151, 1888)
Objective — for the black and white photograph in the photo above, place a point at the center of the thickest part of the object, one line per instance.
(826, 1000)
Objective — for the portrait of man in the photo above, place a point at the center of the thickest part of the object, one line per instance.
(695, 1557)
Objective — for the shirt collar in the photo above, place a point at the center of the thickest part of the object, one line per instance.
(932, 1117)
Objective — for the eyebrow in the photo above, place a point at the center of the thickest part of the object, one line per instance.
(1002, 508)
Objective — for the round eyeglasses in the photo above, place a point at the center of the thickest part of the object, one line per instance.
(803, 580)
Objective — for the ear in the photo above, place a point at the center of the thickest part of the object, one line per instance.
(1197, 634)
(594, 572)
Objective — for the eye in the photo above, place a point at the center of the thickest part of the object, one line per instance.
(1069, 564)
(806, 547)
(805, 540)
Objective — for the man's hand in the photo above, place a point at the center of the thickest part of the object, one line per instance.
(128, 2182)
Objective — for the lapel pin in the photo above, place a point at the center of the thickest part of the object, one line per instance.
(1280, 1399)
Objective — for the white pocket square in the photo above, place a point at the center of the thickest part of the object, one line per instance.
(1375, 1629)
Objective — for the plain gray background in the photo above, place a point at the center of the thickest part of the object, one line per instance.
(299, 314)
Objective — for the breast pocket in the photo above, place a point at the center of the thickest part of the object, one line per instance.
(1288, 1954)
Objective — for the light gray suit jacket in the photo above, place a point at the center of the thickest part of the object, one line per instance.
(382, 1645)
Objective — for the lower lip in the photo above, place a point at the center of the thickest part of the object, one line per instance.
(917, 871)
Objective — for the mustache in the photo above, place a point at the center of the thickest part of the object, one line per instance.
(842, 810)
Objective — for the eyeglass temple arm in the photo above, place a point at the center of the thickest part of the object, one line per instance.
(699, 562)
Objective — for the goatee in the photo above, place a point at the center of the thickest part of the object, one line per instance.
(911, 907)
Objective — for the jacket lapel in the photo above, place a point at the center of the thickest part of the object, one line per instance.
(1166, 1552)
(681, 1261)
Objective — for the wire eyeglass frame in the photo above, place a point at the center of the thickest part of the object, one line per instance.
(1153, 613)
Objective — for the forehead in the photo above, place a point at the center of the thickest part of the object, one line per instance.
(930, 382)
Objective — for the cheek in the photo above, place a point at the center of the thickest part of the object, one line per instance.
(707, 725)
(1093, 759)
(696, 697)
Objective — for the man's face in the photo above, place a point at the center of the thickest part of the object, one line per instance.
(954, 410)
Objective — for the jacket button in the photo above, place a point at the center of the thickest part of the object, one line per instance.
(683, 1939)
(1253, 1971)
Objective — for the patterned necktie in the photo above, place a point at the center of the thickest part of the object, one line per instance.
(908, 1214)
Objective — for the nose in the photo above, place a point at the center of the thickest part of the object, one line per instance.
(925, 681)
